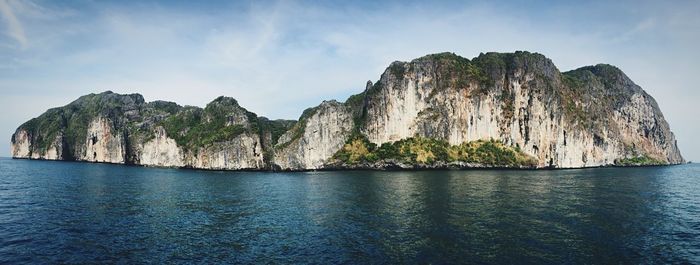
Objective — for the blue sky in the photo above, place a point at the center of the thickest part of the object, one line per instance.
(280, 57)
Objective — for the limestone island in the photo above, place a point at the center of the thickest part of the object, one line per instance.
(498, 110)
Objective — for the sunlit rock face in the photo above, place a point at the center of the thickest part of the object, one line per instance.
(22, 147)
(242, 152)
(583, 118)
(588, 117)
(161, 151)
(21, 143)
(103, 143)
(316, 138)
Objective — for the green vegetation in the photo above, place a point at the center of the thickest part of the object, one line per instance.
(356, 102)
(45, 129)
(420, 150)
(593, 91)
(160, 106)
(276, 128)
(190, 130)
(72, 120)
(150, 113)
(456, 71)
(496, 60)
(641, 160)
(571, 94)
(398, 69)
(606, 83)
(357, 149)
(609, 75)
(495, 64)
(191, 127)
(221, 120)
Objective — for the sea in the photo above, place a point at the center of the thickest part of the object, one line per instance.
(54, 212)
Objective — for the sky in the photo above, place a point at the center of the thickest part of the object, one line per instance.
(280, 57)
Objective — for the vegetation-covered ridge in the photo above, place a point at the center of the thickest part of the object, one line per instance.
(220, 120)
(68, 124)
(191, 127)
(430, 152)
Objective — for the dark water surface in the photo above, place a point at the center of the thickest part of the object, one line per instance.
(62, 212)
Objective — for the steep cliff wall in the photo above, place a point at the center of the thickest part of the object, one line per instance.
(161, 151)
(242, 152)
(22, 147)
(21, 144)
(522, 100)
(124, 129)
(440, 110)
(103, 142)
(318, 135)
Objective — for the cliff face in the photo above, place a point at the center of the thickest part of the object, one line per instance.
(161, 151)
(319, 135)
(104, 143)
(592, 116)
(242, 152)
(441, 110)
(123, 129)
(22, 147)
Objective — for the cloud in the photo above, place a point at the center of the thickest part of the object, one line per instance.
(14, 27)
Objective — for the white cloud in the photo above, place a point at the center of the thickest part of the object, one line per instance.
(14, 27)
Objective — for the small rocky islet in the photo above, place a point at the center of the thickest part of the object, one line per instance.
(503, 110)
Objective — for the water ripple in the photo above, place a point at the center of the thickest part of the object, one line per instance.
(53, 212)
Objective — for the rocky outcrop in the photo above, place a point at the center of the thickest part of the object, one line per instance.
(437, 111)
(242, 152)
(103, 143)
(319, 135)
(22, 147)
(21, 144)
(124, 129)
(522, 100)
(161, 151)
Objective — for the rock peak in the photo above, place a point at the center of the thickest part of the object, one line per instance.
(223, 101)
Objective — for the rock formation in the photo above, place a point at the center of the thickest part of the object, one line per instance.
(440, 110)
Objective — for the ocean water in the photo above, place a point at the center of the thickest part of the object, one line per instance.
(66, 212)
